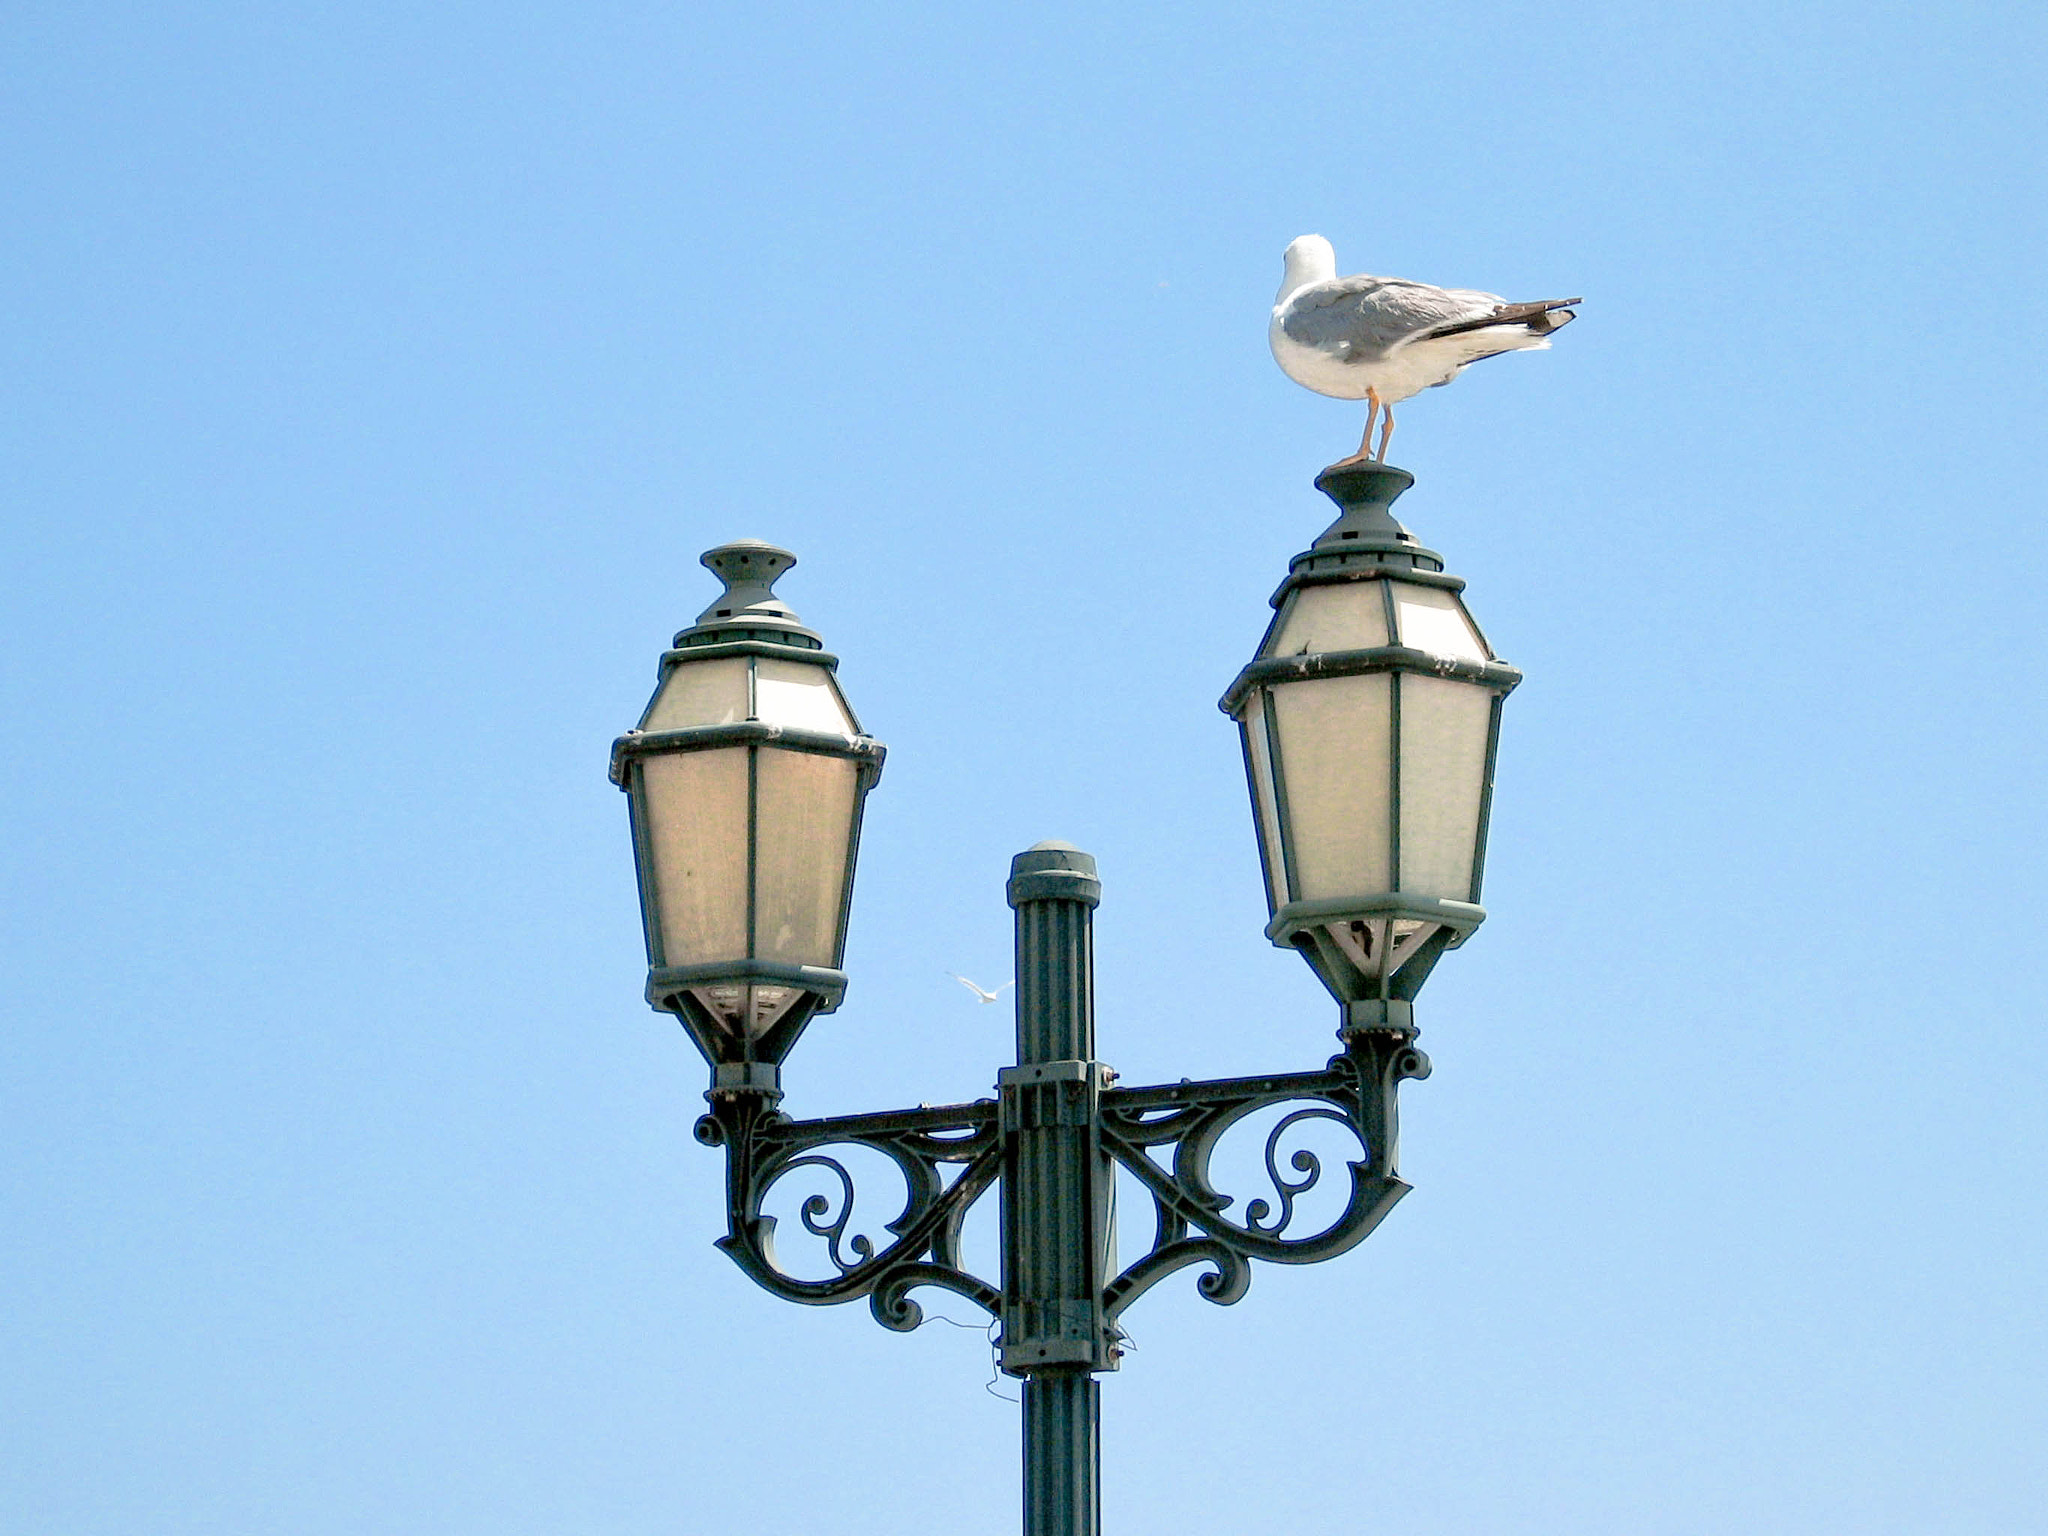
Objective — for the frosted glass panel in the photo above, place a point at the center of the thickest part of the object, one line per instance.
(803, 826)
(696, 809)
(1265, 814)
(1340, 616)
(700, 693)
(1443, 770)
(799, 694)
(1334, 761)
(1431, 620)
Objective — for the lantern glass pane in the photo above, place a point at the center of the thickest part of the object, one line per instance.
(1444, 727)
(700, 693)
(695, 805)
(1335, 770)
(1265, 810)
(1433, 620)
(1334, 616)
(802, 829)
(799, 694)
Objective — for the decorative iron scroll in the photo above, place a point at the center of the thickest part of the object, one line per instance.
(1357, 1090)
(763, 1146)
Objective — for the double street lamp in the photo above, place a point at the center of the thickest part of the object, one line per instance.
(1369, 719)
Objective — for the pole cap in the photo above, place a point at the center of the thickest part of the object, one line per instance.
(1054, 871)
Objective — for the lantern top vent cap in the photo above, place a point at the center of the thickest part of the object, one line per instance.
(1366, 540)
(748, 608)
(1365, 494)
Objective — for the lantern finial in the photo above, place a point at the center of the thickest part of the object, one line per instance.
(748, 608)
(1365, 495)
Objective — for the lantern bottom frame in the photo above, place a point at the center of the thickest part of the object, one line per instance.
(665, 981)
(1308, 926)
(745, 1057)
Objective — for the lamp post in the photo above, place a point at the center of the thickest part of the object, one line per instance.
(1369, 719)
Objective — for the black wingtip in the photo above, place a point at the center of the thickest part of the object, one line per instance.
(1536, 316)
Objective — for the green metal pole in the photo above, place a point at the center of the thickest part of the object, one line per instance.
(1058, 1241)
(1062, 1454)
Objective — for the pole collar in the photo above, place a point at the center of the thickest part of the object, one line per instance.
(729, 1078)
(1389, 1016)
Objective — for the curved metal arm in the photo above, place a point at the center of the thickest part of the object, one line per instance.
(762, 1146)
(1357, 1090)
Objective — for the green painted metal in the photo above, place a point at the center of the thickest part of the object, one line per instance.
(1062, 1454)
(747, 733)
(1365, 494)
(748, 608)
(1059, 1241)
(1397, 659)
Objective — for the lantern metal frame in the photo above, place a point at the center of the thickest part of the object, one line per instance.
(1053, 1137)
(747, 621)
(1364, 544)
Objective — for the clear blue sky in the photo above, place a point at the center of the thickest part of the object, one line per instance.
(374, 375)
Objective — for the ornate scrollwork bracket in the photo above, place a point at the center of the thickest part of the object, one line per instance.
(763, 1146)
(1356, 1090)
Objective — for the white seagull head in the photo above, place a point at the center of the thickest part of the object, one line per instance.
(1310, 259)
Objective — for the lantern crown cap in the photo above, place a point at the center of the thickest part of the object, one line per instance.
(1365, 495)
(1366, 540)
(748, 607)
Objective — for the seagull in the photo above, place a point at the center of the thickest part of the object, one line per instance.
(982, 993)
(1382, 339)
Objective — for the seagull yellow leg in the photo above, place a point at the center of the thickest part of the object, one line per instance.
(1372, 409)
(1386, 433)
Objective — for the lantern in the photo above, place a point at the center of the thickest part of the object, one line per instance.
(746, 777)
(1369, 720)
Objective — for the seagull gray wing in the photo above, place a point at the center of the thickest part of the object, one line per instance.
(1367, 316)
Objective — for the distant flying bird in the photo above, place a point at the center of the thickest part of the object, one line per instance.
(1383, 339)
(981, 992)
